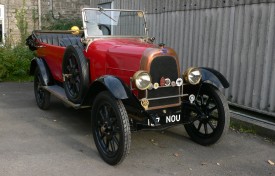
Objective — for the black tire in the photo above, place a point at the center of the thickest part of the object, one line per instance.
(76, 74)
(111, 129)
(42, 96)
(210, 116)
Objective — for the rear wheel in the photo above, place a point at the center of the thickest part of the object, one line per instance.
(42, 96)
(111, 129)
(210, 116)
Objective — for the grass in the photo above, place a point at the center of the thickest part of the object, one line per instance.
(238, 126)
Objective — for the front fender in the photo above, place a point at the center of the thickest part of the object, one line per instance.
(42, 66)
(214, 77)
(110, 83)
(114, 85)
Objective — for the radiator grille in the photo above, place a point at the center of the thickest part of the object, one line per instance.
(163, 66)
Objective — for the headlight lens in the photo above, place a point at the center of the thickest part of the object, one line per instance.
(142, 80)
(192, 75)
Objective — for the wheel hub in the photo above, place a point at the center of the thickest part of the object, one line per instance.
(106, 129)
(204, 119)
(103, 129)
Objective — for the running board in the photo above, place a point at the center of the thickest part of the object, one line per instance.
(59, 92)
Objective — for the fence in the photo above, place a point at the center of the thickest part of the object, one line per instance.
(235, 37)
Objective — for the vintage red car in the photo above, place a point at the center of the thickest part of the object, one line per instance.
(113, 67)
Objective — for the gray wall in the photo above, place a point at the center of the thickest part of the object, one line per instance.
(63, 9)
(236, 37)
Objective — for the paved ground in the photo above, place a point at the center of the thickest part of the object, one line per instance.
(59, 142)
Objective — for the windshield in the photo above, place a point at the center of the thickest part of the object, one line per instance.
(106, 22)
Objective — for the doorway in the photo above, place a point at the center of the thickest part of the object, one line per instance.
(2, 24)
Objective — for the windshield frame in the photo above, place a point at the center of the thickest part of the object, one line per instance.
(112, 36)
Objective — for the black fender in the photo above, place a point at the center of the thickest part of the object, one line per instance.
(42, 66)
(110, 83)
(213, 77)
(114, 85)
(210, 77)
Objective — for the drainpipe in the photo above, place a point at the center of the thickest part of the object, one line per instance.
(7, 11)
(39, 14)
(58, 17)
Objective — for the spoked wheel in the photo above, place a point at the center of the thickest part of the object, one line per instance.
(42, 96)
(111, 129)
(75, 73)
(210, 116)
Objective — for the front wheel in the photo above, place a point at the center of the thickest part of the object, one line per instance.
(111, 129)
(209, 116)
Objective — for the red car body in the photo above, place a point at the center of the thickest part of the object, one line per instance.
(106, 56)
(120, 57)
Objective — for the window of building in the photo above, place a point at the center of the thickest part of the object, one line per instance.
(107, 5)
(2, 24)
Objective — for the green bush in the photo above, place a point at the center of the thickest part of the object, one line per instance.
(15, 63)
(64, 24)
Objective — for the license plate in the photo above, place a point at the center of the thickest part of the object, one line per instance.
(167, 119)
(173, 118)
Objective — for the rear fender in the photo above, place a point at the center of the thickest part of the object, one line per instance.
(213, 77)
(42, 66)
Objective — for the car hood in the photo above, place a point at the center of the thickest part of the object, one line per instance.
(120, 57)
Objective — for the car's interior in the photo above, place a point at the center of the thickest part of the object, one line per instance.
(59, 39)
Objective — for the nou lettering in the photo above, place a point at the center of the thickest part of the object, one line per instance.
(172, 118)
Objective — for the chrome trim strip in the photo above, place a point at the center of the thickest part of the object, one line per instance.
(124, 10)
(174, 96)
(115, 36)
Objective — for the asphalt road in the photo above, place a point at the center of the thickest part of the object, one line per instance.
(59, 142)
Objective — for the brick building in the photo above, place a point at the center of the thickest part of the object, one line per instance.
(38, 12)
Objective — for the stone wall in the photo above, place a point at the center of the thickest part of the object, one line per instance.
(11, 6)
(62, 9)
(50, 10)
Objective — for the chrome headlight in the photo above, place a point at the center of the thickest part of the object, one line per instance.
(192, 75)
(142, 80)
